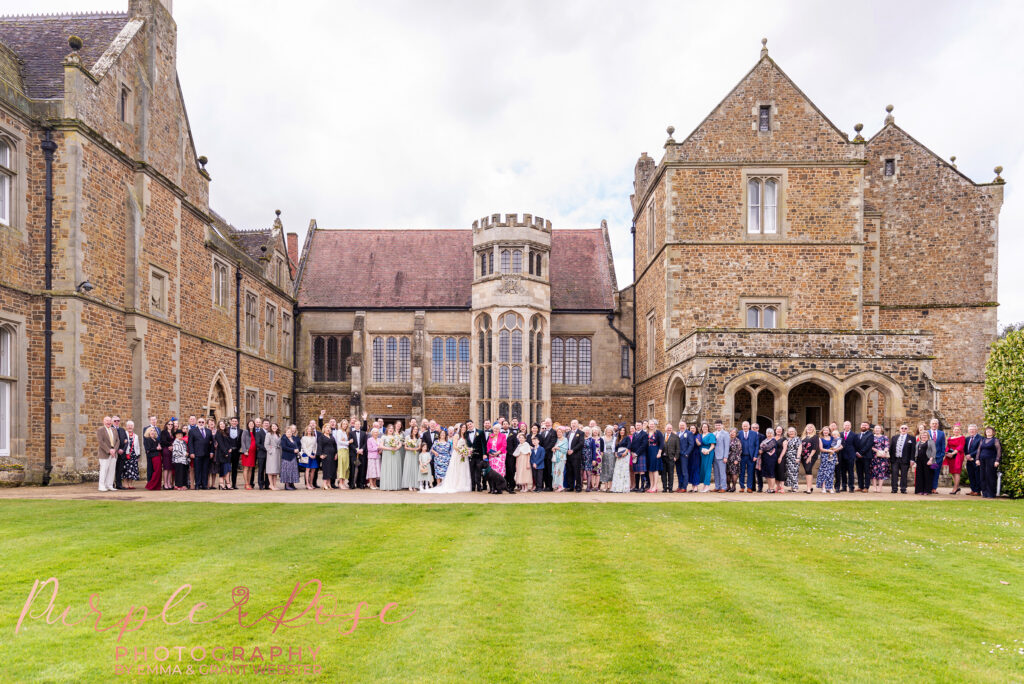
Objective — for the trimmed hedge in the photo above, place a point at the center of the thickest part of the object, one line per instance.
(1004, 407)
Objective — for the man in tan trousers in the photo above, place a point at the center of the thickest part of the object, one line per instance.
(108, 441)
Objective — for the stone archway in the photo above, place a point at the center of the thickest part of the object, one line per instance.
(675, 399)
(218, 402)
(757, 397)
(880, 399)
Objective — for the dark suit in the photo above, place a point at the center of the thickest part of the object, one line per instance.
(236, 451)
(122, 449)
(357, 461)
(939, 437)
(865, 443)
(899, 463)
(669, 459)
(261, 459)
(639, 446)
(574, 462)
(750, 442)
(548, 439)
(200, 448)
(686, 447)
(971, 445)
(511, 444)
(477, 443)
(152, 448)
(847, 465)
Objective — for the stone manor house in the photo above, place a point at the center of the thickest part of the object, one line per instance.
(783, 272)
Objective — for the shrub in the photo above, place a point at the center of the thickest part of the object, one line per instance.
(1004, 406)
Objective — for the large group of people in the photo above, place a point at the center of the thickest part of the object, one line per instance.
(511, 456)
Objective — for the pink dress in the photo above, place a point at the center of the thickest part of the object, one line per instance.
(372, 458)
(497, 443)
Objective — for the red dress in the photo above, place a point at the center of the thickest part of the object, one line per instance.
(955, 444)
(249, 459)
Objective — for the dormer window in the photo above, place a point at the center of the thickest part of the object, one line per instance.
(764, 118)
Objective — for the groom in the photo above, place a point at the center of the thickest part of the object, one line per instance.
(476, 440)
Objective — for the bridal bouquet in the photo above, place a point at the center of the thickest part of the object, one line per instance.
(412, 443)
(391, 443)
(463, 452)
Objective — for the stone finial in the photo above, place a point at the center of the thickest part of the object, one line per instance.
(888, 114)
(764, 48)
(858, 128)
(952, 160)
(202, 161)
(998, 178)
(277, 212)
(75, 42)
(671, 141)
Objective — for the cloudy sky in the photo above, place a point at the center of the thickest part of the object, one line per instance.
(431, 114)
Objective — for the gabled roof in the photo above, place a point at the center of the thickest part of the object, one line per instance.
(252, 241)
(41, 41)
(925, 148)
(424, 269)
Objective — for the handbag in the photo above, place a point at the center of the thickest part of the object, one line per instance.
(304, 459)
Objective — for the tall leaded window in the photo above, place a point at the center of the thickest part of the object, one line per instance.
(437, 359)
(463, 359)
(251, 320)
(503, 382)
(571, 370)
(510, 357)
(483, 333)
(624, 361)
(764, 118)
(404, 360)
(221, 294)
(557, 361)
(571, 360)
(6, 389)
(517, 261)
(378, 359)
(537, 268)
(763, 205)
(763, 316)
(450, 360)
(483, 263)
(6, 181)
(271, 336)
(391, 369)
(584, 349)
(319, 359)
(506, 260)
(651, 241)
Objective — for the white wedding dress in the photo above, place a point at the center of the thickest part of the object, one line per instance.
(457, 478)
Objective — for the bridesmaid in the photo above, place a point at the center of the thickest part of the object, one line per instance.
(391, 461)
(558, 459)
(880, 459)
(608, 459)
(341, 441)
(442, 451)
(620, 476)
(411, 462)
(272, 443)
(955, 456)
(373, 447)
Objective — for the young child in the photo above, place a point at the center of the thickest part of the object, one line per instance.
(426, 479)
(537, 455)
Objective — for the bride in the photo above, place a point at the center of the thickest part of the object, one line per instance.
(457, 478)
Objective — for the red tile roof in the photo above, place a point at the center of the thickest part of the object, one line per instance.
(416, 269)
(42, 42)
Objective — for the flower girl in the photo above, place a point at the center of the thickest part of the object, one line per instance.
(426, 480)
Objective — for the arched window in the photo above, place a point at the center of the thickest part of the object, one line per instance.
(483, 263)
(6, 180)
(437, 359)
(517, 346)
(378, 359)
(517, 261)
(537, 268)
(506, 257)
(7, 380)
(763, 205)
(483, 332)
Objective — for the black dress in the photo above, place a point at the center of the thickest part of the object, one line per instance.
(328, 450)
(923, 477)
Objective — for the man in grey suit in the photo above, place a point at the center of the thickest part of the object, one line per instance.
(108, 442)
(721, 455)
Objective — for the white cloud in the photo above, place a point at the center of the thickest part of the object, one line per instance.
(417, 114)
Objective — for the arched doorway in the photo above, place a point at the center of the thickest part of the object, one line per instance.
(675, 400)
(218, 403)
(809, 403)
(755, 397)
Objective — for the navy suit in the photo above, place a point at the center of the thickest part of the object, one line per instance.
(847, 462)
(971, 445)
(686, 446)
(200, 445)
(639, 446)
(939, 437)
(749, 441)
(865, 442)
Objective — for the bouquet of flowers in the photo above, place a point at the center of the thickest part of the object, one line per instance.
(463, 452)
(391, 443)
(412, 443)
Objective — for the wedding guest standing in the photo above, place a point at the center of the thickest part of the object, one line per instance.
(707, 456)
(548, 439)
(222, 448)
(750, 441)
(373, 449)
(864, 441)
(847, 465)
(132, 451)
(686, 447)
(154, 459)
(721, 456)
(829, 447)
(442, 452)
(971, 445)
(263, 482)
(901, 452)
(732, 464)
(639, 447)
(275, 455)
(357, 439)
(537, 463)
(939, 437)
(879, 459)
(391, 460)
(655, 447)
(179, 456)
(558, 459)
(955, 456)
(781, 467)
(341, 441)
(291, 446)
(620, 478)
(411, 462)
(767, 461)
(990, 453)
(248, 458)
(810, 450)
(925, 456)
(793, 450)
(166, 449)
(307, 461)
(328, 450)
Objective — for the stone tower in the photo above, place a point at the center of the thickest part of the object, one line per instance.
(511, 310)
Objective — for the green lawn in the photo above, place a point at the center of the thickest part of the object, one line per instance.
(563, 592)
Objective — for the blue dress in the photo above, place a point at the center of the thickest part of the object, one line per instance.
(706, 459)
(827, 470)
(655, 442)
(442, 457)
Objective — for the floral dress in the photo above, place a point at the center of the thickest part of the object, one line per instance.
(589, 451)
(131, 461)
(792, 462)
(620, 478)
(608, 461)
(443, 456)
(558, 461)
(880, 466)
(732, 465)
(827, 470)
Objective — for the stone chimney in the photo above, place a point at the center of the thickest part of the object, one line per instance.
(293, 248)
